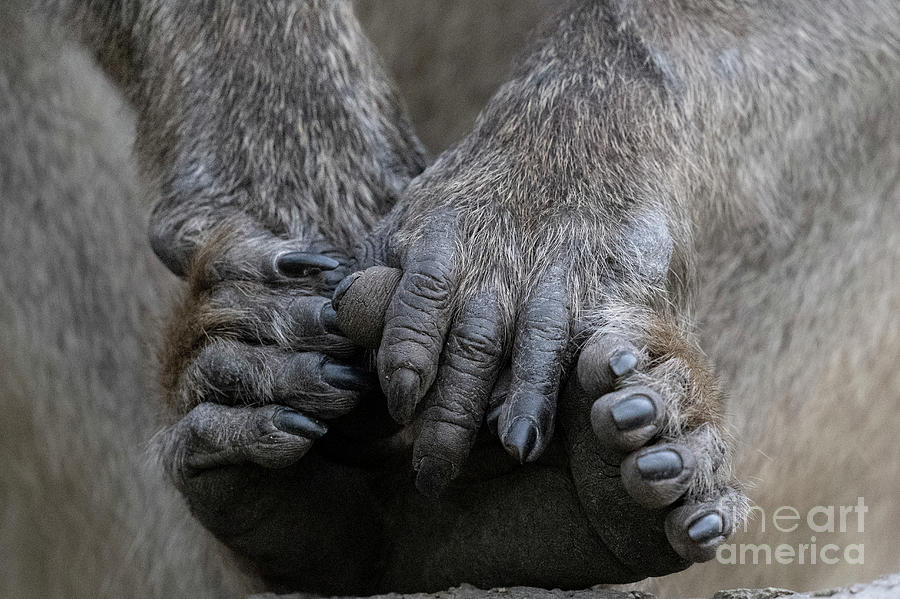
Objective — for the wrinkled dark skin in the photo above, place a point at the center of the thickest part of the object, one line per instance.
(495, 344)
(508, 271)
(543, 282)
(255, 370)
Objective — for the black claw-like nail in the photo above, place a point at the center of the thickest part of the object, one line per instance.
(633, 412)
(622, 362)
(521, 439)
(342, 288)
(660, 465)
(299, 264)
(329, 320)
(433, 475)
(706, 528)
(403, 389)
(346, 377)
(296, 423)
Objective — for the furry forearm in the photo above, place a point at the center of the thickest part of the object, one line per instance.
(278, 110)
(715, 121)
(696, 104)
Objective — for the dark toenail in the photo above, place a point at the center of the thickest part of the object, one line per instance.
(432, 476)
(633, 412)
(622, 362)
(329, 320)
(342, 288)
(520, 439)
(296, 423)
(346, 377)
(298, 264)
(659, 465)
(706, 528)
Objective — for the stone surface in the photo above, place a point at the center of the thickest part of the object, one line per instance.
(884, 588)
(469, 592)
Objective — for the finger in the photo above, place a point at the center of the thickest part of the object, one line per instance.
(622, 420)
(625, 420)
(255, 313)
(294, 263)
(456, 404)
(214, 436)
(361, 301)
(257, 256)
(234, 373)
(658, 475)
(696, 529)
(661, 474)
(605, 359)
(537, 363)
(416, 323)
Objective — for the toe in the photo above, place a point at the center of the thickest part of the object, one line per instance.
(627, 419)
(658, 475)
(604, 359)
(695, 531)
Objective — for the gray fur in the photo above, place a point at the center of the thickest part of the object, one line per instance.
(85, 514)
(771, 156)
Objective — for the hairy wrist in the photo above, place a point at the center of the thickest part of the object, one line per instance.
(300, 130)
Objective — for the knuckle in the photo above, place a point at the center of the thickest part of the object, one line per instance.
(477, 340)
(220, 374)
(458, 415)
(299, 370)
(431, 280)
(545, 325)
(548, 323)
(402, 329)
(307, 308)
(412, 309)
(409, 345)
(219, 364)
(200, 422)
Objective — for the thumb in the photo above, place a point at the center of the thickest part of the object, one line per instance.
(361, 301)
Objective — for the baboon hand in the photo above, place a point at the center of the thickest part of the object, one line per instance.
(457, 369)
(255, 362)
(467, 331)
(488, 299)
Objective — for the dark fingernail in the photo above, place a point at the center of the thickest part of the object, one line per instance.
(659, 465)
(706, 528)
(342, 288)
(521, 439)
(329, 320)
(346, 377)
(298, 264)
(433, 475)
(296, 423)
(622, 362)
(403, 389)
(633, 412)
